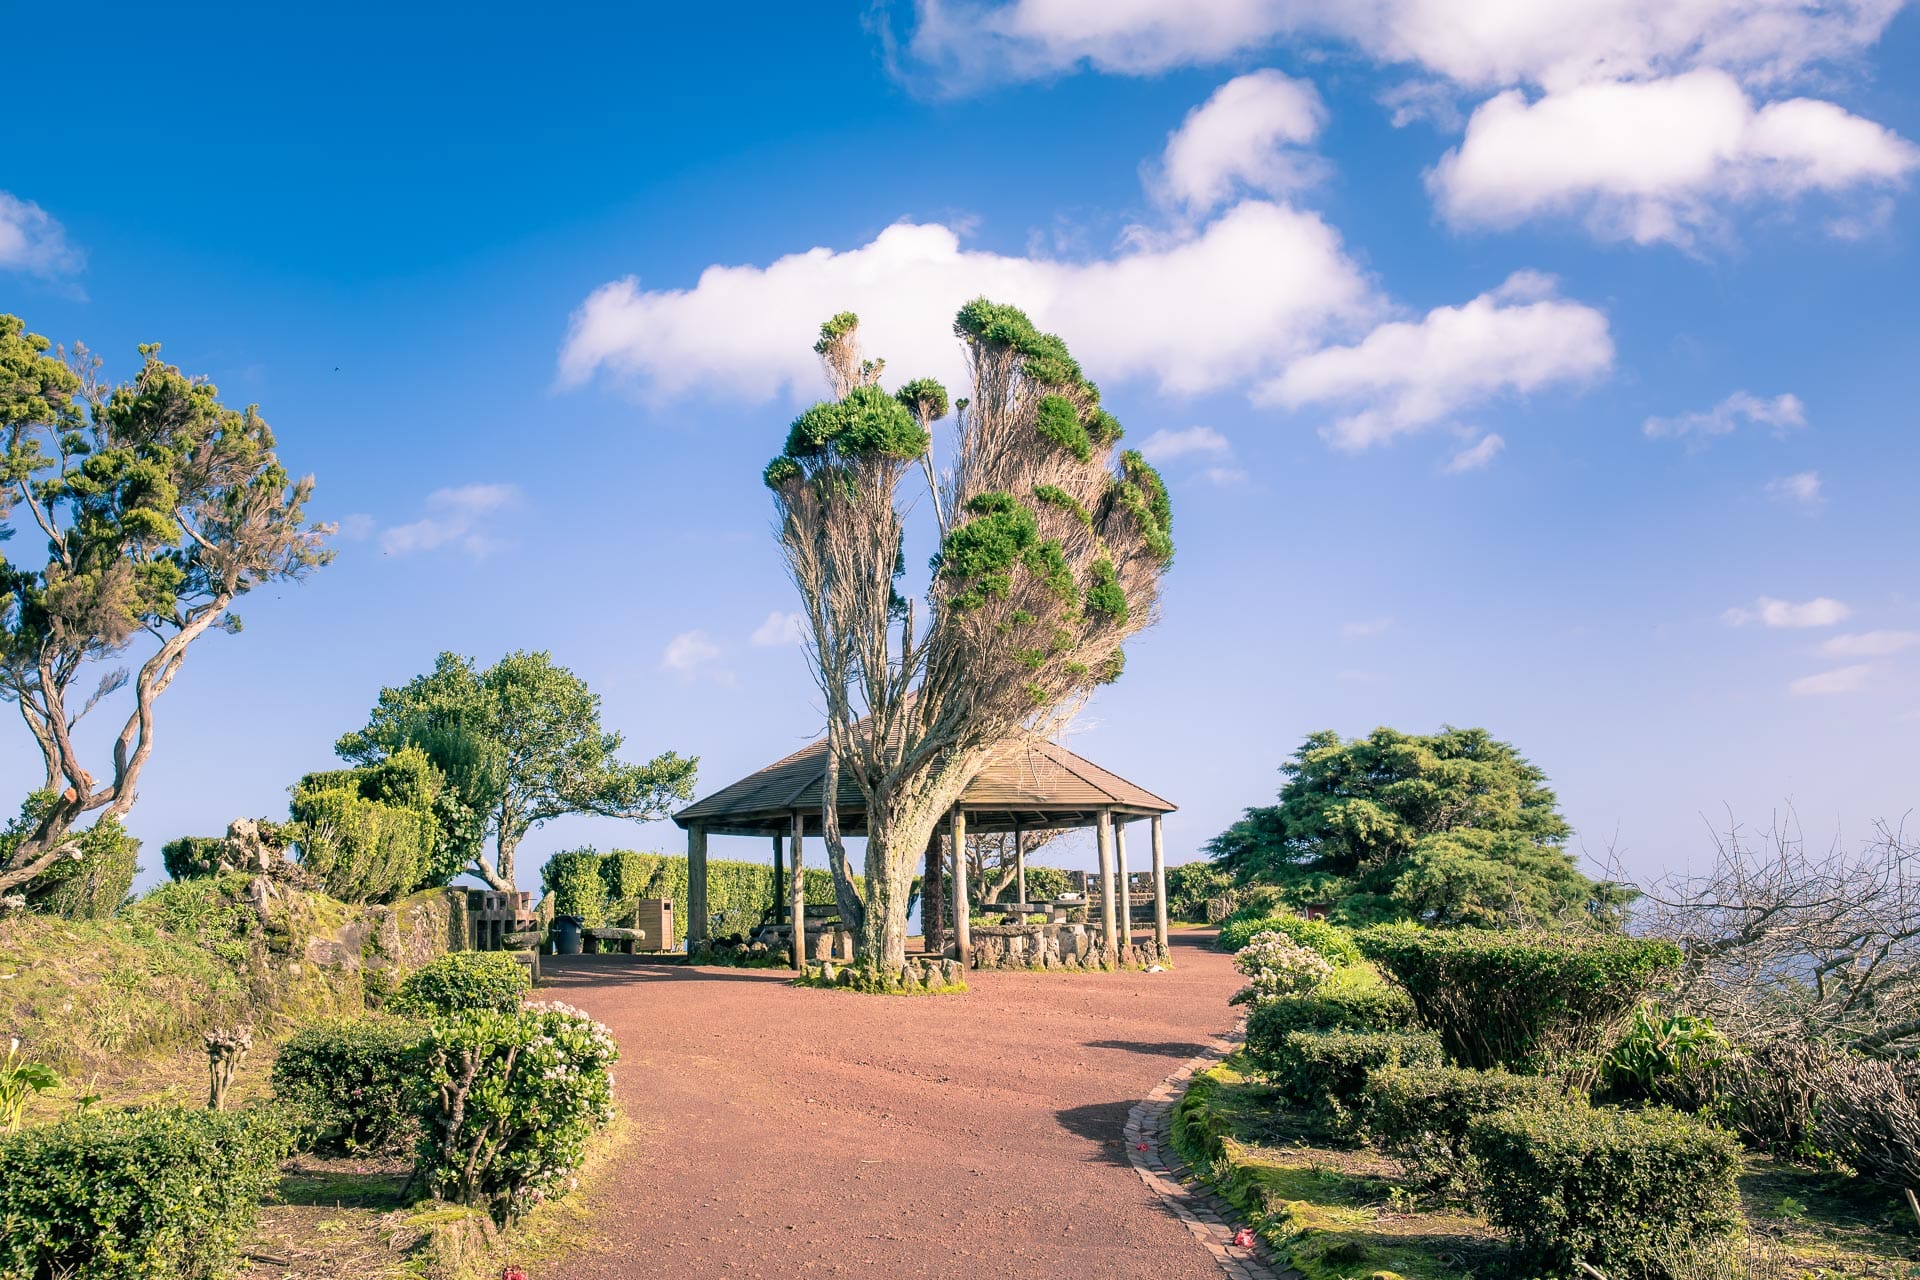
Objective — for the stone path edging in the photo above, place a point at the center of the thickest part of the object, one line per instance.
(1211, 1219)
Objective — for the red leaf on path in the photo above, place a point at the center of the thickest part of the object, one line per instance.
(513, 1273)
(1143, 1146)
(1243, 1238)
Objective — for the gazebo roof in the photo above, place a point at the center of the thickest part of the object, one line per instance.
(1032, 785)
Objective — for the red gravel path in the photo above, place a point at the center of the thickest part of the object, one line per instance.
(787, 1131)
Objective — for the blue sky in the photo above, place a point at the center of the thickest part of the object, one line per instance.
(1556, 378)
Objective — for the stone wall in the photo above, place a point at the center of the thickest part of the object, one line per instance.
(1055, 946)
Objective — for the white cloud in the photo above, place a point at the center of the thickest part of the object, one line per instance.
(1821, 611)
(1260, 284)
(32, 240)
(1365, 629)
(1783, 413)
(1248, 136)
(1839, 680)
(1224, 477)
(455, 517)
(1165, 445)
(1407, 375)
(964, 43)
(1870, 644)
(1656, 160)
(688, 653)
(357, 526)
(780, 628)
(1476, 455)
(1802, 488)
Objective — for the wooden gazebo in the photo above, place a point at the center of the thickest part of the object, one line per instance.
(1031, 787)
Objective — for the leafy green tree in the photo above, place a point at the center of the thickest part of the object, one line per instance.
(1448, 828)
(516, 745)
(158, 507)
(1051, 549)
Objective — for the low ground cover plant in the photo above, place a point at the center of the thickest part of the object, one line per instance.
(351, 1084)
(1609, 1188)
(157, 1194)
(463, 982)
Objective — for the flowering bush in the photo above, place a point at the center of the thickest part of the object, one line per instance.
(1279, 967)
(514, 1097)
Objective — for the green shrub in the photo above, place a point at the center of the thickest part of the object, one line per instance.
(1044, 884)
(94, 885)
(577, 884)
(1660, 1056)
(1501, 998)
(362, 850)
(511, 1101)
(193, 856)
(162, 1194)
(1422, 1114)
(351, 1084)
(1330, 940)
(1614, 1189)
(1335, 1007)
(1191, 885)
(1326, 1071)
(464, 982)
(626, 874)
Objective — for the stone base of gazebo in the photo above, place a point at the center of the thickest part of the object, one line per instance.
(1054, 946)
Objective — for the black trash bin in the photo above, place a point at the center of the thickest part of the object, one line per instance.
(566, 935)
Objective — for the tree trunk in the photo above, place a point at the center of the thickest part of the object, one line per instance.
(933, 901)
(895, 841)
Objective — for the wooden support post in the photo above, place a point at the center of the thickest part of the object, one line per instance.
(933, 900)
(1125, 905)
(696, 885)
(1104, 830)
(962, 927)
(1159, 886)
(1020, 859)
(779, 878)
(798, 879)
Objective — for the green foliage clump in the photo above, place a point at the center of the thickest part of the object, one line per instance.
(574, 878)
(626, 874)
(1447, 828)
(1053, 495)
(982, 551)
(1612, 1189)
(1105, 596)
(92, 886)
(1330, 940)
(351, 1085)
(1326, 1071)
(867, 423)
(1499, 998)
(834, 328)
(1044, 357)
(1142, 494)
(780, 472)
(1660, 1055)
(1191, 885)
(362, 849)
(512, 1100)
(1103, 428)
(463, 982)
(1336, 1006)
(924, 398)
(1422, 1114)
(160, 1194)
(1056, 419)
(193, 856)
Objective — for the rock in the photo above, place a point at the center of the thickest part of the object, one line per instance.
(845, 978)
(829, 974)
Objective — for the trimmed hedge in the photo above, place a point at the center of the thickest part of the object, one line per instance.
(1379, 1008)
(161, 1194)
(362, 850)
(590, 884)
(1500, 998)
(1617, 1190)
(1422, 1114)
(351, 1084)
(1330, 940)
(463, 982)
(1326, 1071)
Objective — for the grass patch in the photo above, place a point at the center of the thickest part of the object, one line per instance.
(1342, 1213)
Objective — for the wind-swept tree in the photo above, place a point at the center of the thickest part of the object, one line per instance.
(516, 745)
(1050, 557)
(159, 507)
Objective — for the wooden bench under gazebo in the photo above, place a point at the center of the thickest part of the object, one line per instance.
(1038, 786)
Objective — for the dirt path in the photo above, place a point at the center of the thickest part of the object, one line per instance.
(786, 1131)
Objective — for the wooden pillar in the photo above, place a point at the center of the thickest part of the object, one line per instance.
(779, 878)
(933, 900)
(1020, 859)
(1104, 830)
(962, 928)
(798, 879)
(1159, 886)
(1126, 883)
(696, 885)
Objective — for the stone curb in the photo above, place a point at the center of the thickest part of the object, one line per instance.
(1211, 1219)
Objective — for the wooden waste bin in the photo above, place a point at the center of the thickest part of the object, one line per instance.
(654, 917)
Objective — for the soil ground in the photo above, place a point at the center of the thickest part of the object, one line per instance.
(787, 1132)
